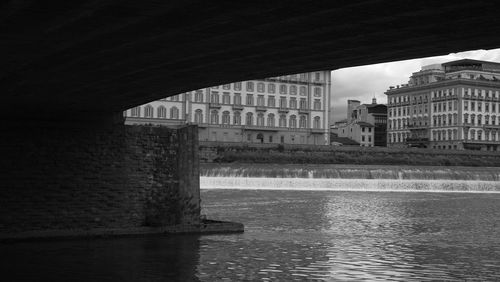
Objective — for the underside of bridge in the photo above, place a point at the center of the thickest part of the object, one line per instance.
(69, 68)
(82, 57)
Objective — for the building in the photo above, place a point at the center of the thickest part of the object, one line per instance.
(454, 105)
(366, 123)
(291, 109)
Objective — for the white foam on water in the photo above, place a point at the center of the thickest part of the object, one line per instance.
(325, 184)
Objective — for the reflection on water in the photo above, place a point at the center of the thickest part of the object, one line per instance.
(293, 235)
(326, 235)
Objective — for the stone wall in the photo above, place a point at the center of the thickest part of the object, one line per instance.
(78, 177)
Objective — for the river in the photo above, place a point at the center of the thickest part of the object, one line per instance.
(344, 232)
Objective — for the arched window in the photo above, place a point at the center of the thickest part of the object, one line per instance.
(303, 91)
(250, 86)
(214, 117)
(198, 116)
(237, 118)
(260, 119)
(249, 119)
(271, 88)
(135, 112)
(472, 134)
(174, 113)
(161, 112)
(226, 119)
(317, 122)
(317, 92)
(270, 120)
(479, 135)
(283, 89)
(302, 121)
(293, 90)
(148, 111)
(293, 121)
(260, 87)
(282, 121)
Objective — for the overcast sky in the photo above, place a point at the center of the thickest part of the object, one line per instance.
(365, 82)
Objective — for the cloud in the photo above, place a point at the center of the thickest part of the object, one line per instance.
(365, 82)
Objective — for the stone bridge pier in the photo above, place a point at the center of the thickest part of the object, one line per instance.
(77, 178)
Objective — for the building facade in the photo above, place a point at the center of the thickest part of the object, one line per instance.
(454, 105)
(291, 109)
(365, 123)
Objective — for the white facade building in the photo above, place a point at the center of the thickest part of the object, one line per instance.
(291, 109)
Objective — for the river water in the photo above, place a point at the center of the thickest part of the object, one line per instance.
(336, 233)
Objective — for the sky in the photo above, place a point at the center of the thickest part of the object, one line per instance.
(366, 82)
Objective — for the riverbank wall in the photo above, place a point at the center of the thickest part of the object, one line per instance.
(306, 154)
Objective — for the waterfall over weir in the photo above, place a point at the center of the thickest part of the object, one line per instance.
(350, 178)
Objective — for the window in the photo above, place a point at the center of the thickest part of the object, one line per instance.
(214, 98)
(270, 120)
(369, 139)
(487, 107)
(293, 90)
(317, 92)
(317, 76)
(250, 86)
(293, 121)
(282, 102)
(479, 106)
(260, 87)
(148, 111)
(270, 139)
(283, 89)
(249, 119)
(249, 100)
(317, 123)
(198, 116)
(237, 118)
(260, 100)
(237, 99)
(226, 119)
(226, 99)
(260, 119)
(198, 96)
(271, 101)
(175, 98)
(466, 118)
(317, 104)
(214, 117)
(466, 105)
(302, 121)
(135, 112)
(226, 86)
(369, 129)
(237, 86)
(472, 106)
(161, 112)
(362, 129)
(271, 88)
(303, 103)
(174, 113)
(303, 91)
(282, 121)
(362, 138)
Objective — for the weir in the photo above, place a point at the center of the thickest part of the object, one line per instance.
(350, 178)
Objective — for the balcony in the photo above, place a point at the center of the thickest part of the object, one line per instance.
(237, 107)
(283, 110)
(304, 111)
(214, 105)
(260, 128)
(317, 131)
(260, 108)
(491, 126)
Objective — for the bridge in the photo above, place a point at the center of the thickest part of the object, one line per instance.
(69, 69)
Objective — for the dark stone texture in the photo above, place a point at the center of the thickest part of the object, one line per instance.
(65, 178)
(75, 59)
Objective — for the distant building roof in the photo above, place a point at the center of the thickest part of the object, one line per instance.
(363, 123)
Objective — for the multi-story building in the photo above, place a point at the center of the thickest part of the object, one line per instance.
(365, 123)
(292, 109)
(454, 105)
